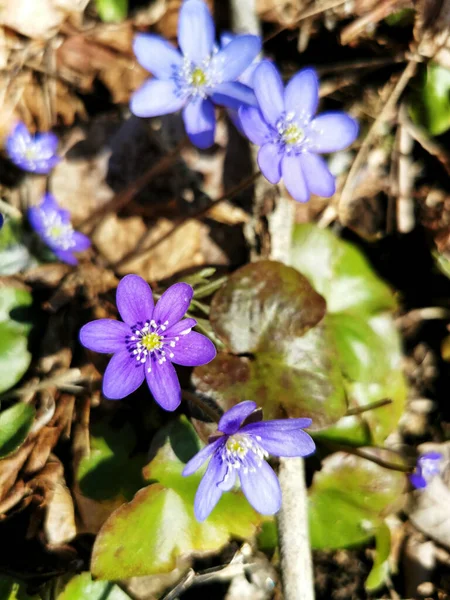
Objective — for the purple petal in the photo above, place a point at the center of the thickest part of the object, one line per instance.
(228, 481)
(333, 131)
(64, 256)
(173, 304)
(238, 55)
(49, 204)
(269, 91)
(281, 424)
(200, 121)
(254, 126)
(181, 328)
(281, 442)
(21, 134)
(302, 94)
(196, 461)
(192, 350)
(293, 178)
(134, 300)
(35, 219)
(82, 242)
(231, 421)
(163, 383)
(261, 487)
(269, 161)
(47, 144)
(104, 335)
(196, 31)
(233, 94)
(208, 492)
(429, 456)
(156, 97)
(318, 178)
(157, 55)
(226, 37)
(122, 377)
(418, 481)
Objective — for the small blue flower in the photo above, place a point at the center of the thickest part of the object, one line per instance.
(196, 76)
(34, 153)
(149, 340)
(428, 467)
(242, 450)
(290, 136)
(2, 220)
(53, 226)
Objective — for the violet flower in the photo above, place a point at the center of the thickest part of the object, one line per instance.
(195, 77)
(290, 136)
(428, 467)
(35, 153)
(242, 449)
(2, 220)
(53, 226)
(148, 342)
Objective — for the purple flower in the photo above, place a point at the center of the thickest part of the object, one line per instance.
(148, 342)
(428, 466)
(290, 136)
(196, 76)
(35, 153)
(242, 449)
(2, 220)
(53, 226)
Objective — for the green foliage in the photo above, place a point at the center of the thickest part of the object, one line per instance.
(380, 568)
(112, 11)
(14, 252)
(11, 589)
(15, 424)
(81, 587)
(151, 533)
(430, 106)
(350, 498)
(14, 328)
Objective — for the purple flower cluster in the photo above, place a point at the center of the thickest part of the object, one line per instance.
(53, 226)
(37, 154)
(428, 467)
(149, 340)
(241, 448)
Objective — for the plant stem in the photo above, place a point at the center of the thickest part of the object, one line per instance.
(367, 455)
(203, 406)
(362, 409)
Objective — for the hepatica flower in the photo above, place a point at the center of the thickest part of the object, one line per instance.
(149, 340)
(428, 467)
(241, 448)
(195, 77)
(291, 136)
(53, 226)
(34, 153)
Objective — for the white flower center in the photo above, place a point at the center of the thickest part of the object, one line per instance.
(236, 449)
(198, 80)
(58, 232)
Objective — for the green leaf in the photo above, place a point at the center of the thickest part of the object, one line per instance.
(152, 532)
(112, 11)
(11, 589)
(109, 471)
(349, 499)
(81, 587)
(15, 424)
(338, 271)
(380, 568)
(430, 107)
(15, 255)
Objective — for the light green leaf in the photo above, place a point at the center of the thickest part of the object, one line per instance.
(112, 11)
(15, 424)
(380, 568)
(82, 587)
(430, 107)
(11, 589)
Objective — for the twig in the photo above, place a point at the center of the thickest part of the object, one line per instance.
(362, 409)
(367, 455)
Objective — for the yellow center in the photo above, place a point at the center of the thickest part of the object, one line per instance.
(235, 446)
(30, 153)
(293, 134)
(56, 231)
(151, 341)
(198, 77)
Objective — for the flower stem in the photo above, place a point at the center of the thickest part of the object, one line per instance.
(203, 406)
(362, 409)
(362, 453)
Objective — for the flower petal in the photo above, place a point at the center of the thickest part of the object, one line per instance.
(208, 492)
(418, 481)
(35, 219)
(163, 383)
(196, 31)
(254, 125)
(233, 94)
(64, 256)
(302, 94)
(269, 91)
(156, 97)
(228, 481)
(192, 350)
(200, 122)
(104, 335)
(122, 377)
(293, 178)
(47, 144)
(183, 327)
(173, 304)
(318, 178)
(261, 487)
(156, 55)
(332, 131)
(82, 242)
(269, 161)
(231, 420)
(134, 300)
(202, 456)
(279, 441)
(238, 55)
